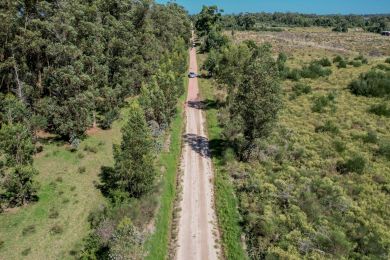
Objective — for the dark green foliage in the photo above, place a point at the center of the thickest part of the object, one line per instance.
(337, 59)
(28, 230)
(355, 164)
(300, 89)
(355, 63)
(322, 102)
(342, 64)
(325, 62)
(16, 144)
(387, 60)
(315, 70)
(133, 173)
(362, 59)
(384, 148)
(329, 126)
(339, 146)
(207, 20)
(64, 84)
(341, 28)
(26, 251)
(19, 185)
(56, 229)
(294, 74)
(374, 83)
(256, 102)
(371, 137)
(382, 109)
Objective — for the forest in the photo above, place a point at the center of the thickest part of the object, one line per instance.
(300, 140)
(70, 66)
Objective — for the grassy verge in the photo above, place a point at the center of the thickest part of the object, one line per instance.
(225, 200)
(53, 227)
(158, 244)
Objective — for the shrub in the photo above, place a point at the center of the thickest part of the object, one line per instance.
(82, 169)
(355, 164)
(26, 251)
(28, 230)
(294, 75)
(342, 64)
(321, 102)
(315, 70)
(80, 155)
(374, 83)
(59, 179)
(53, 213)
(355, 63)
(329, 126)
(384, 149)
(90, 148)
(300, 89)
(380, 110)
(362, 59)
(339, 146)
(337, 59)
(325, 62)
(56, 229)
(371, 137)
(382, 67)
(1, 243)
(387, 60)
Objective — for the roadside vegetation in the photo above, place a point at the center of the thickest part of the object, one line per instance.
(307, 162)
(76, 77)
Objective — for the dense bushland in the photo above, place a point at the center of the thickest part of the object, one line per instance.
(339, 23)
(309, 187)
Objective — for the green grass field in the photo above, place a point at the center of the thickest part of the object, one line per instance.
(55, 225)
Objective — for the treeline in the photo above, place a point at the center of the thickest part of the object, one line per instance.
(262, 21)
(66, 66)
(251, 77)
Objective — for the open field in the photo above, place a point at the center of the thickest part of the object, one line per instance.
(295, 196)
(300, 41)
(55, 225)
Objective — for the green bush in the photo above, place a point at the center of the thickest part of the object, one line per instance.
(384, 149)
(337, 59)
(387, 60)
(26, 251)
(325, 62)
(53, 213)
(321, 102)
(28, 230)
(56, 229)
(362, 59)
(329, 126)
(294, 75)
(355, 164)
(315, 70)
(300, 89)
(380, 110)
(382, 67)
(82, 169)
(340, 146)
(374, 83)
(371, 137)
(342, 64)
(355, 63)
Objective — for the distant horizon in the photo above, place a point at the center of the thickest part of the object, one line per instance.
(317, 7)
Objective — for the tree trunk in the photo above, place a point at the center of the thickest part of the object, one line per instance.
(18, 82)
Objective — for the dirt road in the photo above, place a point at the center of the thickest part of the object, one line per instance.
(197, 224)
